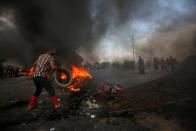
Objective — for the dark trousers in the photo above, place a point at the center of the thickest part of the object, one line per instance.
(42, 82)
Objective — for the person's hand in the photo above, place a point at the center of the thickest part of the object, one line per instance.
(57, 68)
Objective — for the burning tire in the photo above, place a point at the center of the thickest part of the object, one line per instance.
(72, 79)
(63, 77)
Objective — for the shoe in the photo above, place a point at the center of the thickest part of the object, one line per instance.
(32, 103)
(55, 102)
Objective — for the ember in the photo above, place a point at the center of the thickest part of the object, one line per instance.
(111, 90)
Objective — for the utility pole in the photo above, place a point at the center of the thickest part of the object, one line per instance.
(133, 49)
(152, 55)
(133, 46)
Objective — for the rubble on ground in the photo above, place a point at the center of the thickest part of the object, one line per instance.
(167, 103)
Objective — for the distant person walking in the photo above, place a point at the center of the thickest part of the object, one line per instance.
(172, 63)
(156, 64)
(141, 65)
(163, 64)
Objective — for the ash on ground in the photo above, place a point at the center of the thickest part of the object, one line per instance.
(166, 103)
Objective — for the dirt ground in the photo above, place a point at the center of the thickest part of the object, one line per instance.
(15, 93)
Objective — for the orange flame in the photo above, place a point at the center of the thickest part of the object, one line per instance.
(63, 76)
(79, 75)
(80, 72)
(31, 71)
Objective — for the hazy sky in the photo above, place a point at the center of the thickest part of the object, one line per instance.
(162, 16)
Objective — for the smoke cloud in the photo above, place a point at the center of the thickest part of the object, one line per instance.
(158, 27)
(97, 30)
(178, 43)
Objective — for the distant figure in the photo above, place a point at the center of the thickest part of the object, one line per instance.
(1, 69)
(167, 63)
(156, 64)
(163, 64)
(172, 63)
(141, 65)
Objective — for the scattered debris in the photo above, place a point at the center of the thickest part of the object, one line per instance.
(93, 116)
(52, 129)
(40, 102)
(146, 103)
(90, 107)
(111, 91)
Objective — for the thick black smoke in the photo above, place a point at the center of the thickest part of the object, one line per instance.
(68, 25)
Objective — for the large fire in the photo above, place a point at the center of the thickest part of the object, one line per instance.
(79, 75)
(80, 72)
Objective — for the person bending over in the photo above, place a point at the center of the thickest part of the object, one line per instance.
(41, 78)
